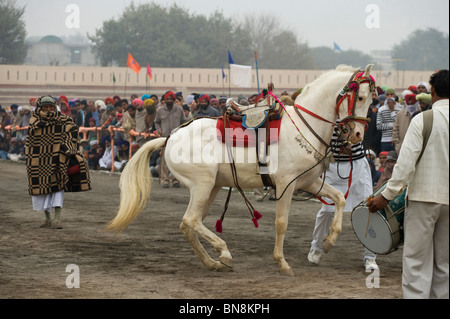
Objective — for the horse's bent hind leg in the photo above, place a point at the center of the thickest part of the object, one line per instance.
(192, 226)
(339, 200)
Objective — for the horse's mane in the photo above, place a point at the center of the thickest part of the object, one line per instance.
(340, 68)
(346, 68)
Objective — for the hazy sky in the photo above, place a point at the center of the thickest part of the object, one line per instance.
(317, 22)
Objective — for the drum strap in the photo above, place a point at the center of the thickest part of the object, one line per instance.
(427, 127)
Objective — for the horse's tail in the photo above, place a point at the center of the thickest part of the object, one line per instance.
(135, 185)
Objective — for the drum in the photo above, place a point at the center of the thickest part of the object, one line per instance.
(380, 232)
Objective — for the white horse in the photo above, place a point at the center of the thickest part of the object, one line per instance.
(298, 153)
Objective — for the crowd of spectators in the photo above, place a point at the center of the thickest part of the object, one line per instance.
(113, 129)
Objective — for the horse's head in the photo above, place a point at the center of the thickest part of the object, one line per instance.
(353, 103)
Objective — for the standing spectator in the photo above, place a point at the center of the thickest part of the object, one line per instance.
(426, 234)
(402, 121)
(424, 103)
(116, 99)
(5, 119)
(81, 113)
(423, 87)
(222, 105)
(73, 114)
(91, 112)
(129, 123)
(24, 121)
(91, 135)
(205, 110)
(215, 104)
(385, 122)
(168, 117)
(15, 118)
(155, 99)
(361, 188)
(51, 148)
(372, 137)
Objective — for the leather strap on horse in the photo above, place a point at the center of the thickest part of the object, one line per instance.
(267, 181)
(255, 214)
(297, 107)
(350, 177)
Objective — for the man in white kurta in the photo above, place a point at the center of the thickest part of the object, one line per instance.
(426, 249)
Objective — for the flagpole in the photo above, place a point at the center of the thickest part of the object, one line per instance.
(229, 80)
(257, 75)
(114, 84)
(126, 80)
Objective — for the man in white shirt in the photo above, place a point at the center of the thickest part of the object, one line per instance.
(426, 249)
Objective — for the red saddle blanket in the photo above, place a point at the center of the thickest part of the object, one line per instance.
(246, 137)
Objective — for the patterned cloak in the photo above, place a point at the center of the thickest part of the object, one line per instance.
(52, 140)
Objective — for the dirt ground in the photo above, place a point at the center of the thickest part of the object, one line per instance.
(152, 260)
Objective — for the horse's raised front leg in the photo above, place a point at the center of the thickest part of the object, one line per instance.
(192, 226)
(281, 223)
(339, 200)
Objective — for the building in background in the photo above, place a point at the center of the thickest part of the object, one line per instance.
(54, 51)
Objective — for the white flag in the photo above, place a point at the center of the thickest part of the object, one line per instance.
(241, 75)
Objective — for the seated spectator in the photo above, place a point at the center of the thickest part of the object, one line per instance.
(4, 147)
(109, 157)
(16, 150)
(84, 148)
(155, 163)
(96, 152)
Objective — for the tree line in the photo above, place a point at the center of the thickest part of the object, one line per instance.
(173, 37)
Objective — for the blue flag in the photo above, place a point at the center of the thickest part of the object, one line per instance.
(336, 47)
(230, 58)
(223, 73)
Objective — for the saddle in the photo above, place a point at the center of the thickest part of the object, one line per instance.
(256, 116)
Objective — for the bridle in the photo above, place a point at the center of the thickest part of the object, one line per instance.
(350, 94)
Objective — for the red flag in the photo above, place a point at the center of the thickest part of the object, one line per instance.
(132, 64)
(149, 71)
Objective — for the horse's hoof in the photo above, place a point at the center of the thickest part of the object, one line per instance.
(226, 260)
(287, 272)
(326, 245)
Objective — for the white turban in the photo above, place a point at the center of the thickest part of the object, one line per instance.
(100, 104)
(425, 84)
